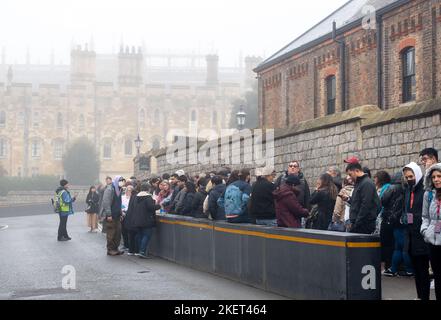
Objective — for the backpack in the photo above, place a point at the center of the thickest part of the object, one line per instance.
(233, 200)
(56, 202)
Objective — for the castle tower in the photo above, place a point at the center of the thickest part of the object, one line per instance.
(130, 66)
(251, 62)
(82, 66)
(212, 69)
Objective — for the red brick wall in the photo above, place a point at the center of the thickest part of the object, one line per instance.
(301, 93)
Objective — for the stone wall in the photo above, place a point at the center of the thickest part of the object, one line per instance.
(382, 139)
(17, 198)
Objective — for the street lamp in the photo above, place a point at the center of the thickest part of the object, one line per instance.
(138, 143)
(241, 117)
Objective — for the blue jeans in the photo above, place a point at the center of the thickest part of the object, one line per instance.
(399, 254)
(267, 222)
(143, 238)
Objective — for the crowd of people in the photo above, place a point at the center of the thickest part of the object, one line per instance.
(404, 209)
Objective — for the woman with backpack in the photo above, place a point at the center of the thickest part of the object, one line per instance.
(431, 226)
(324, 197)
(236, 197)
(92, 202)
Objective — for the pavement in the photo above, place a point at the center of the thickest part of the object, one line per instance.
(31, 263)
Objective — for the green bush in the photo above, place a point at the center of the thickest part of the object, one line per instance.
(38, 183)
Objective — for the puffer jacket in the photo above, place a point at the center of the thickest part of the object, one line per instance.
(392, 202)
(430, 216)
(144, 211)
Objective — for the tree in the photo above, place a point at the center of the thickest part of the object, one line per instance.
(81, 163)
(250, 106)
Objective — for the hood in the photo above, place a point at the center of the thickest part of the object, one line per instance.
(428, 184)
(416, 170)
(59, 189)
(283, 192)
(116, 185)
(144, 194)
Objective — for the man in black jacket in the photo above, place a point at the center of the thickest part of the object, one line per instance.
(365, 203)
(262, 206)
(412, 218)
(216, 211)
(304, 194)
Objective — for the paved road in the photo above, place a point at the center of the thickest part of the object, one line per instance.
(31, 261)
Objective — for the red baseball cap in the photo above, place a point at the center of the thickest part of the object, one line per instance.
(352, 160)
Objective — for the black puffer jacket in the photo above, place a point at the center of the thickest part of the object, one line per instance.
(197, 207)
(144, 211)
(262, 200)
(325, 205)
(414, 242)
(392, 202)
(365, 206)
(217, 212)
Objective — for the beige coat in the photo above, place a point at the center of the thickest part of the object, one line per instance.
(340, 205)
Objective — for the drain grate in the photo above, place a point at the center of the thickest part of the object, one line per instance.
(40, 292)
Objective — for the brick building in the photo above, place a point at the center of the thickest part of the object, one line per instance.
(380, 52)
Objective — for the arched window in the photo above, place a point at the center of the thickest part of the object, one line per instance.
(58, 149)
(128, 147)
(36, 148)
(2, 118)
(3, 148)
(409, 78)
(142, 118)
(156, 143)
(330, 94)
(107, 149)
(82, 122)
(59, 120)
(20, 119)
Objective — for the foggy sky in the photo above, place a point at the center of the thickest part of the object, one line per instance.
(226, 27)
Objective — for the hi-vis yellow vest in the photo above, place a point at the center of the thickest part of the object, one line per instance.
(64, 207)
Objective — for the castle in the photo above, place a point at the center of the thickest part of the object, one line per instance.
(110, 99)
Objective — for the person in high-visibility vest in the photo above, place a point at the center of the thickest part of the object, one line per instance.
(66, 209)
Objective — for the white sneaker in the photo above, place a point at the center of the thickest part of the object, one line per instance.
(137, 254)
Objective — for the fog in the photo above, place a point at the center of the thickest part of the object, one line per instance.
(230, 28)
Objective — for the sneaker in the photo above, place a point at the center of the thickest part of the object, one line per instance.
(143, 256)
(112, 253)
(389, 273)
(406, 274)
(137, 254)
(63, 239)
(130, 254)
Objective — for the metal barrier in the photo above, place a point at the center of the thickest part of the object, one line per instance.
(300, 264)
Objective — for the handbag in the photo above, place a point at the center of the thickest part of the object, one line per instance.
(337, 227)
(309, 222)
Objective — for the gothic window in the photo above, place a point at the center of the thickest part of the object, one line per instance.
(128, 147)
(409, 79)
(107, 150)
(331, 94)
(35, 149)
(58, 150)
(156, 144)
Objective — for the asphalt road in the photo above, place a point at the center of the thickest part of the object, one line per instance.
(31, 262)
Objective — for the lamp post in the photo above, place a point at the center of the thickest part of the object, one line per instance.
(241, 117)
(138, 143)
